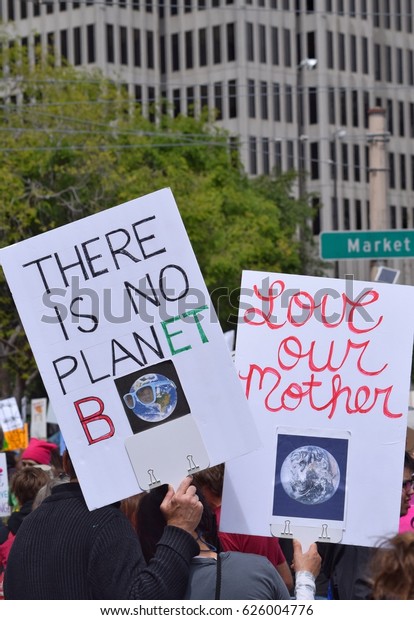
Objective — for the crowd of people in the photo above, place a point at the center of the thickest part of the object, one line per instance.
(167, 544)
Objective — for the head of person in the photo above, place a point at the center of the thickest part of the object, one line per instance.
(38, 454)
(150, 521)
(26, 483)
(46, 489)
(407, 484)
(210, 482)
(392, 569)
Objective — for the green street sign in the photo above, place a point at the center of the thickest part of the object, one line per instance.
(341, 245)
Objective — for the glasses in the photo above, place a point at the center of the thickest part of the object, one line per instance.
(408, 485)
(145, 395)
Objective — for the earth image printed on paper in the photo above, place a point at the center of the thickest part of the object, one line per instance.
(152, 397)
(310, 475)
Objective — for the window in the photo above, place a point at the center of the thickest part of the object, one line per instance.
(231, 42)
(330, 49)
(409, 15)
(341, 51)
(265, 156)
(275, 45)
(313, 106)
(276, 102)
(189, 49)
(391, 170)
(355, 108)
(151, 104)
(176, 102)
(331, 105)
(288, 103)
(314, 160)
(400, 66)
(163, 60)
(251, 98)
(264, 111)
(262, 43)
(393, 216)
(218, 100)
(64, 45)
(412, 172)
(388, 63)
(343, 107)
(358, 215)
(175, 52)
(403, 173)
(377, 62)
(249, 41)
(357, 164)
(287, 47)
(150, 49)
(174, 7)
(190, 101)
(202, 46)
(376, 13)
(411, 111)
(387, 14)
(345, 162)
(90, 35)
(23, 9)
(138, 94)
(353, 53)
(398, 14)
(347, 215)
(390, 116)
(404, 217)
(188, 6)
(365, 57)
(137, 47)
(401, 123)
(203, 96)
(364, 10)
(290, 155)
(410, 67)
(278, 156)
(366, 107)
(232, 94)
(216, 44)
(110, 55)
(123, 45)
(77, 46)
(252, 155)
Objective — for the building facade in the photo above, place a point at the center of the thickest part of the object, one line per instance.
(293, 80)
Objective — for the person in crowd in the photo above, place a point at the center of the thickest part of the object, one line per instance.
(392, 569)
(25, 484)
(46, 489)
(227, 575)
(347, 566)
(210, 481)
(38, 453)
(65, 551)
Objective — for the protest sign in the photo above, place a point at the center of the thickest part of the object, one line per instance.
(4, 487)
(38, 418)
(325, 365)
(126, 340)
(15, 431)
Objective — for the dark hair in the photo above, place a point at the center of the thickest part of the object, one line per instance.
(212, 478)
(151, 522)
(26, 482)
(408, 461)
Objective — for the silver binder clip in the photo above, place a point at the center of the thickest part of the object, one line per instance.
(324, 534)
(286, 531)
(153, 479)
(191, 464)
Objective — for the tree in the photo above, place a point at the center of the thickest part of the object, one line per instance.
(74, 144)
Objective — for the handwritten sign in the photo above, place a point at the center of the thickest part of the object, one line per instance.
(4, 487)
(329, 358)
(38, 412)
(10, 417)
(126, 339)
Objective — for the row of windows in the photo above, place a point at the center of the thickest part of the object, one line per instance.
(27, 8)
(78, 45)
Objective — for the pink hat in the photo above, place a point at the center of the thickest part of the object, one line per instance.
(38, 451)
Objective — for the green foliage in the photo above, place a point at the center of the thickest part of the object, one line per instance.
(72, 144)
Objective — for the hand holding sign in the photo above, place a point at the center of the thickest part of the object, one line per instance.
(182, 508)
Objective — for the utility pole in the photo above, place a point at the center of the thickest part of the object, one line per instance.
(377, 139)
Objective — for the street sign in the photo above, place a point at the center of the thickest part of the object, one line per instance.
(341, 245)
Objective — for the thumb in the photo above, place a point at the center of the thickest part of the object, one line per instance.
(296, 546)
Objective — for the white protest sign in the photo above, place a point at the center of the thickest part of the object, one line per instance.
(10, 418)
(4, 487)
(126, 338)
(38, 411)
(325, 365)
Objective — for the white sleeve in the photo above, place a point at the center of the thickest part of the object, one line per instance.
(304, 586)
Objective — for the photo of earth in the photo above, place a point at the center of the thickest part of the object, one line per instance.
(310, 475)
(152, 397)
